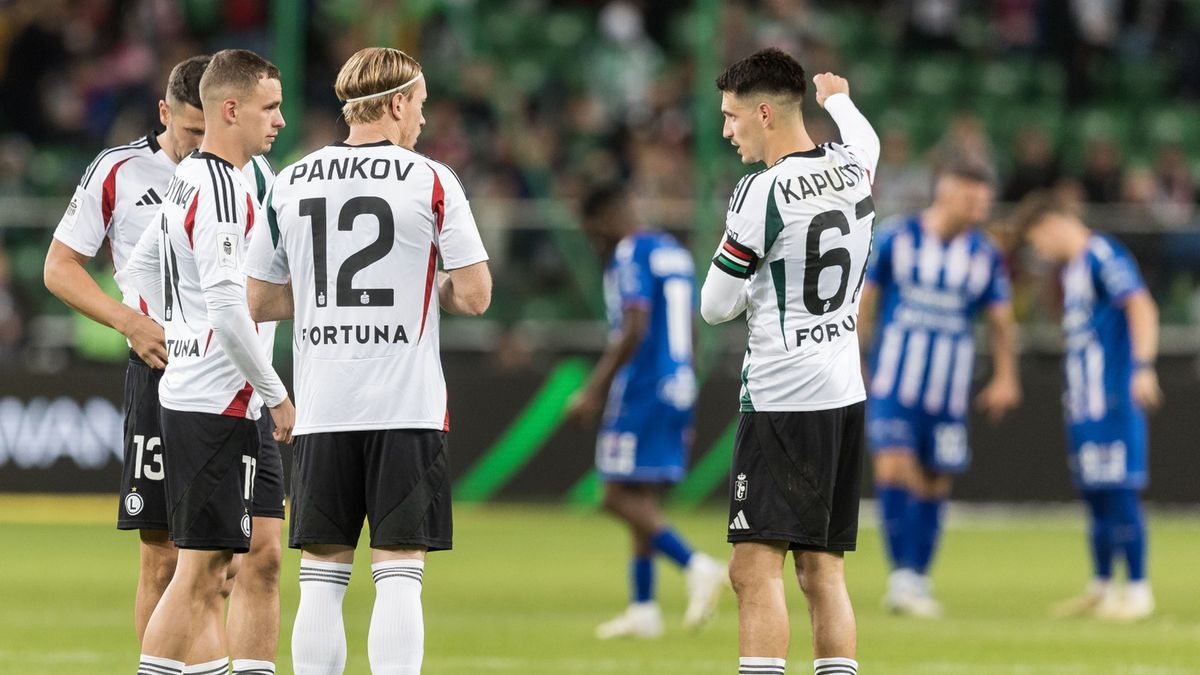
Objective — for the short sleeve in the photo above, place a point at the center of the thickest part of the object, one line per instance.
(83, 226)
(218, 233)
(631, 267)
(746, 228)
(459, 242)
(999, 288)
(1117, 276)
(266, 257)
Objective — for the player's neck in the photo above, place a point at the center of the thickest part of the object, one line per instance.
(168, 148)
(227, 149)
(934, 220)
(366, 134)
(1076, 240)
(785, 142)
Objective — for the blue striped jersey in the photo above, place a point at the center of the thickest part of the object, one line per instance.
(1099, 352)
(930, 292)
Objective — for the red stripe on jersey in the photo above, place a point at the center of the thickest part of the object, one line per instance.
(249, 215)
(237, 407)
(142, 306)
(430, 275)
(437, 203)
(446, 424)
(207, 341)
(108, 194)
(736, 253)
(189, 221)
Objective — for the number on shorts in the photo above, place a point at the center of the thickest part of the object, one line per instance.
(143, 446)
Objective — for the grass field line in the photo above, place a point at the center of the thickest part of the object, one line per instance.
(633, 665)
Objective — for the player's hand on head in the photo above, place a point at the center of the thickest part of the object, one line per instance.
(829, 84)
(148, 341)
(284, 416)
(998, 397)
(1146, 390)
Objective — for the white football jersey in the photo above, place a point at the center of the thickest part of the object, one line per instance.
(119, 195)
(209, 210)
(799, 232)
(359, 231)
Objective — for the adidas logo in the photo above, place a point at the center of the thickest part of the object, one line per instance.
(149, 199)
(739, 522)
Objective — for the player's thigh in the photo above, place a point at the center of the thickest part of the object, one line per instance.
(143, 481)
(209, 462)
(329, 491)
(408, 489)
(157, 555)
(268, 473)
(755, 562)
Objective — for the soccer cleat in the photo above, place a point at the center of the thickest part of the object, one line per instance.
(910, 594)
(901, 584)
(1083, 605)
(1131, 605)
(705, 579)
(639, 620)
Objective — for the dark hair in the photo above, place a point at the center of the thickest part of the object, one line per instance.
(968, 167)
(768, 71)
(240, 69)
(183, 85)
(1037, 205)
(602, 197)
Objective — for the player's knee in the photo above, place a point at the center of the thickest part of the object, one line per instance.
(818, 580)
(744, 577)
(158, 566)
(261, 566)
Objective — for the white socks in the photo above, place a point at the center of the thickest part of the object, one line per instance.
(396, 642)
(153, 665)
(835, 666)
(252, 667)
(760, 665)
(319, 636)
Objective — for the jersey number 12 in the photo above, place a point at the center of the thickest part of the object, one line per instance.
(347, 295)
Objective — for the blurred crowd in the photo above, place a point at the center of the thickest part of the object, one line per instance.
(533, 101)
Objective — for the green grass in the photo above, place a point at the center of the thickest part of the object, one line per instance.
(526, 585)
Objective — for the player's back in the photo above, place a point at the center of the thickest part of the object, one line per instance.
(362, 229)
(651, 270)
(811, 214)
(931, 290)
(208, 209)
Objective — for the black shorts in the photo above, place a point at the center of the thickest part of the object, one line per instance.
(268, 473)
(143, 488)
(797, 478)
(397, 479)
(209, 462)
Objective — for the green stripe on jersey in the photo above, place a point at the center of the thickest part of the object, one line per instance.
(746, 404)
(774, 221)
(779, 276)
(272, 221)
(260, 180)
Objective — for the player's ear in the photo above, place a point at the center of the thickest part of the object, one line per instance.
(229, 110)
(164, 112)
(765, 114)
(397, 109)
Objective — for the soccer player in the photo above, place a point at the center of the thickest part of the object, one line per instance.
(188, 268)
(1111, 334)
(357, 228)
(117, 199)
(930, 276)
(796, 243)
(646, 376)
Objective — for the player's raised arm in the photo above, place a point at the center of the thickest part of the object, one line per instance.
(833, 94)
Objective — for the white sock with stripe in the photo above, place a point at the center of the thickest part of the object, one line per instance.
(319, 635)
(252, 667)
(761, 665)
(396, 641)
(154, 665)
(835, 666)
(216, 667)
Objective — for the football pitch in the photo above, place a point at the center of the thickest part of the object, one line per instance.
(526, 585)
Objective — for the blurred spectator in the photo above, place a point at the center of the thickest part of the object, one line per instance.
(11, 325)
(1034, 167)
(903, 182)
(932, 24)
(1102, 174)
(1175, 185)
(965, 138)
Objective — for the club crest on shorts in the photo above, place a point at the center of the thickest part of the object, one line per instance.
(246, 524)
(740, 488)
(134, 503)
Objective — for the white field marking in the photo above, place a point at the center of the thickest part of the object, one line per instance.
(498, 664)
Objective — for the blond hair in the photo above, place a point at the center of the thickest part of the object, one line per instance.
(373, 70)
